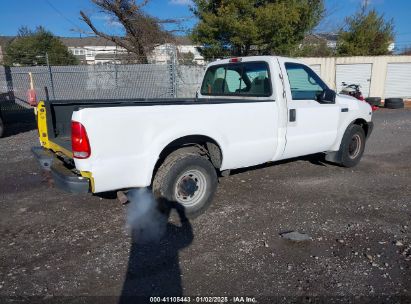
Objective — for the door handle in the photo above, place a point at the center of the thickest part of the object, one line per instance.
(293, 115)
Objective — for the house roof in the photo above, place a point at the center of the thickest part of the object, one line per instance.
(183, 40)
(321, 36)
(93, 41)
(69, 41)
(328, 36)
(317, 38)
(86, 41)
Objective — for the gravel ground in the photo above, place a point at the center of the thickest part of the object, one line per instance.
(359, 221)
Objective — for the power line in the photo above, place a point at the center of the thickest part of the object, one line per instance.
(62, 15)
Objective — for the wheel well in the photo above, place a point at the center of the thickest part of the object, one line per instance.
(200, 144)
(363, 124)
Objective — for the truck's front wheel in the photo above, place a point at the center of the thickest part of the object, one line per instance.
(352, 146)
(187, 179)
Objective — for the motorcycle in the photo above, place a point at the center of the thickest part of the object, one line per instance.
(354, 91)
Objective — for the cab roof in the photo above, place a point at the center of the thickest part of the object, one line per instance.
(253, 58)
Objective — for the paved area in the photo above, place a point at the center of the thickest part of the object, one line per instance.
(359, 222)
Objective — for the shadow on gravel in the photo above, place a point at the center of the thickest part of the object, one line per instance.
(18, 121)
(153, 266)
(315, 159)
(109, 195)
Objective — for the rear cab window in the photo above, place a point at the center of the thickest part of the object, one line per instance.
(237, 79)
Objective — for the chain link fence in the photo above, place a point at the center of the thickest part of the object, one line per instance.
(88, 82)
(188, 80)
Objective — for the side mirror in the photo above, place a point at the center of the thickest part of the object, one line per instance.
(327, 96)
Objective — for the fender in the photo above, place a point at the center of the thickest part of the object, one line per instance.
(335, 156)
(157, 148)
(357, 110)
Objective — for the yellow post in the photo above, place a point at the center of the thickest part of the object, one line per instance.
(42, 125)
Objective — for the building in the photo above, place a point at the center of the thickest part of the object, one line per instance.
(94, 50)
(378, 76)
(186, 46)
(330, 39)
(186, 51)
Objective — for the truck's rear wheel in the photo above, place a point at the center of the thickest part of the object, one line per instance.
(352, 146)
(187, 179)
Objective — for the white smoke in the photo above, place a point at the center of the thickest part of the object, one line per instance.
(146, 222)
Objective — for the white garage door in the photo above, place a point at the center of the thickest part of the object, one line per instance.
(398, 81)
(316, 68)
(354, 74)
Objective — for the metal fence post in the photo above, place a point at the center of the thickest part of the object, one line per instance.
(174, 50)
(50, 76)
(173, 68)
(116, 73)
(9, 87)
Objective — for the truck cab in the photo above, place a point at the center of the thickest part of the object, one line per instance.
(311, 116)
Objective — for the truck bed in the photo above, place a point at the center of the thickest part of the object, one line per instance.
(59, 112)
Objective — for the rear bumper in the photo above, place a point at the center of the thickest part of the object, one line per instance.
(64, 178)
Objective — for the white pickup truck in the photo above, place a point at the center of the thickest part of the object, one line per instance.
(249, 111)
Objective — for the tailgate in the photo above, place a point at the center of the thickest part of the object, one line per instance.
(55, 153)
(54, 126)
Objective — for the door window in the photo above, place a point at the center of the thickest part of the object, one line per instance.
(304, 83)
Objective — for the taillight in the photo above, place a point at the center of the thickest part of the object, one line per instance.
(79, 141)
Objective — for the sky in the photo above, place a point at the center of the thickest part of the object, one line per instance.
(62, 16)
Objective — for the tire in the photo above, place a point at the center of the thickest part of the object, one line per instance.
(393, 103)
(394, 100)
(352, 146)
(373, 101)
(395, 106)
(187, 179)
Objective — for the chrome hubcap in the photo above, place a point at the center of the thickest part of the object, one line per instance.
(355, 146)
(190, 187)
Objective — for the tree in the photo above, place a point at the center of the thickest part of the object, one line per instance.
(366, 33)
(30, 48)
(244, 27)
(142, 32)
(186, 58)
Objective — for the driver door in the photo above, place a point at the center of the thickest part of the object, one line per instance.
(311, 125)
